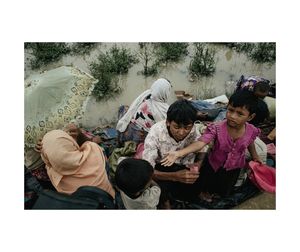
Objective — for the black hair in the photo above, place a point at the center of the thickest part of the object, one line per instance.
(262, 86)
(244, 98)
(182, 112)
(261, 114)
(132, 175)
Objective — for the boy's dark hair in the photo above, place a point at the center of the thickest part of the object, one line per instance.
(263, 86)
(244, 98)
(182, 112)
(262, 112)
(132, 175)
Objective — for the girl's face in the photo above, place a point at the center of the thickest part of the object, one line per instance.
(238, 116)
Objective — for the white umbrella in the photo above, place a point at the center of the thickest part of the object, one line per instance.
(53, 99)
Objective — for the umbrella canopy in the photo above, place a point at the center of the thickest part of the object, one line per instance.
(53, 99)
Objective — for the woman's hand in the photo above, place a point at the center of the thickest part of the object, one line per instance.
(38, 146)
(170, 158)
(72, 130)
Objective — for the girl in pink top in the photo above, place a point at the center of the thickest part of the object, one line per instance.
(230, 139)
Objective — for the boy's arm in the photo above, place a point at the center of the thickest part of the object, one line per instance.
(173, 155)
(183, 176)
(200, 158)
(254, 155)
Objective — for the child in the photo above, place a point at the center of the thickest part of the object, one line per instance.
(177, 132)
(259, 86)
(134, 179)
(231, 138)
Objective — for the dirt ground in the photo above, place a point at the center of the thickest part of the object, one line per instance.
(261, 201)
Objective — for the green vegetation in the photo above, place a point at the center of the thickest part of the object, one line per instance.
(258, 52)
(83, 48)
(45, 53)
(264, 53)
(170, 52)
(203, 62)
(107, 68)
(154, 55)
(146, 55)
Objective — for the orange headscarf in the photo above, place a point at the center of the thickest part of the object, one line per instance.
(70, 166)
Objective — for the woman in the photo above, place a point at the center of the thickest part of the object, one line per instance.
(147, 109)
(70, 166)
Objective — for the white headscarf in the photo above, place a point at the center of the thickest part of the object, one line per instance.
(160, 92)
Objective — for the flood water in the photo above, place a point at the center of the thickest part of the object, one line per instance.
(230, 65)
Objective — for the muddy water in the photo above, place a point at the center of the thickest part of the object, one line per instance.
(229, 66)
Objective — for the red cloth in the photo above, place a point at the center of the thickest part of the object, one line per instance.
(263, 176)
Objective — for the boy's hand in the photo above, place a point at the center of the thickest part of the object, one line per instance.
(186, 176)
(170, 158)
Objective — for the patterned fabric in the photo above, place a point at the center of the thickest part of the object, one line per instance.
(147, 200)
(53, 99)
(157, 104)
(159, 142)
(132, 133)
(143, 117)
(226, 152)
(41, 173)
(250, 82)
(32, 159)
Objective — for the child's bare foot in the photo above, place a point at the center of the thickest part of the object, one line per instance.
(206, 196)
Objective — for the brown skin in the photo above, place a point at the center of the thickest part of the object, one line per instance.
(178, 132)
(74, 132)
(236, 119)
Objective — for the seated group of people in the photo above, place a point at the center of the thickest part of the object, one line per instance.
(176, 161)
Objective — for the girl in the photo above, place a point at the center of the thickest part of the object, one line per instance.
(231, 138)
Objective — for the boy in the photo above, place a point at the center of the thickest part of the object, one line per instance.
(134, 179)
(174, 133)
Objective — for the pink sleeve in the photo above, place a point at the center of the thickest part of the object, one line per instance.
(255, 133)
(209, 134)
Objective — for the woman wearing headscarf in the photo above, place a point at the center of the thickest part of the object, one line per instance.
(147, 109)
(71, 166)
